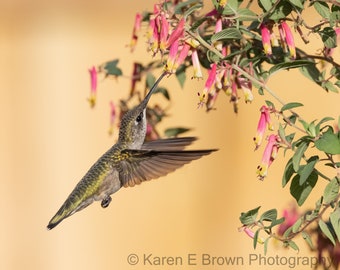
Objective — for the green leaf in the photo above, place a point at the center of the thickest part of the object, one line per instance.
(297, 3)
(329, 86)
(312, 73)
(324, 120)
(112, 69)
(328, 37)
(245, 14)
(181, 75)
(298, 155)
(335, 15)
(173, 132)
(297, 225)
(277, 222)
(289, 65)
(329, 143)
(308, 239)
(163, 91)
(290, 106)
(307, 169)
(288, 172)
(150, 80)
(281, 11)
(325, 229)
(293, 245)
(269, 215)
(305, 124)
(301, 192)
(266, 4)
(225, 34)
(331, 191)
(335, 221)
(265, 246)
(270, 104)
(192, 9)
(256, 236)
(231, 7)
(197, 23)
(323, 9)
(249, 217)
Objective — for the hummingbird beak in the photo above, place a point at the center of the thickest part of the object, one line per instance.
(153, 88)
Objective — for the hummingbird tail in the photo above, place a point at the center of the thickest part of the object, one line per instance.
(60, 215)
(70, 206)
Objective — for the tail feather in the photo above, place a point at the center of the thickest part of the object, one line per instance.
(70, 206)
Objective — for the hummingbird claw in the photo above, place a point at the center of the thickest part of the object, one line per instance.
(106, 201)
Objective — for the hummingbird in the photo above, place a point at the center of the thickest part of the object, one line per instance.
(129, 162)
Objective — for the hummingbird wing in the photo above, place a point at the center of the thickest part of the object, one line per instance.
(143, 165)
(169, 144)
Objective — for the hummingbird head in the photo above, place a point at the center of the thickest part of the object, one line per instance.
(133, 124)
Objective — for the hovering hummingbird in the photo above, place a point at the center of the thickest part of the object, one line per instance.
(128, 163)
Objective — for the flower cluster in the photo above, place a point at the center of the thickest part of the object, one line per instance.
(269, 39)
(273, 141)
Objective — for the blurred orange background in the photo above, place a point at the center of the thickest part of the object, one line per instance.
(50, 137)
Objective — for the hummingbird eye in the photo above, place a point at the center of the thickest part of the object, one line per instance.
(139, 117)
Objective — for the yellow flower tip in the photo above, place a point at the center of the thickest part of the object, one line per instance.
(270, 126)
(262, 171)
(111, 131)
(222, 3)
(92, 101)
(260, 240)
(192, 42)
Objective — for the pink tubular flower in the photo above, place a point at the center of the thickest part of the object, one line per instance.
(262, 124)
(196, 65)
(211, 79)
(136, 28)
(291, 215)
(208, 84)
(268, 157)
(181, 57)
(93, 77)
(177, 33)
(251, 234)
(172, 56)
(164, 31)
(153, 33)
(112, 117)
(218, 28)
(265, 33)
(289, 39)
(246, 87)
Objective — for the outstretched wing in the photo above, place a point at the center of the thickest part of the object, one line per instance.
(143, 165)
(169, 144)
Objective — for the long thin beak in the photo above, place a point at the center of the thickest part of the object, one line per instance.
(153, 88)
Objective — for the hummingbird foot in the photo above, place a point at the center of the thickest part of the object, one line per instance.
(106, 201)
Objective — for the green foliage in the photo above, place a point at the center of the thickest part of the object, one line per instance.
(329, 142)
(325, 228)
(301, 191)
(331, 191)
(111, 68)
(174, 132)
(249, 217)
